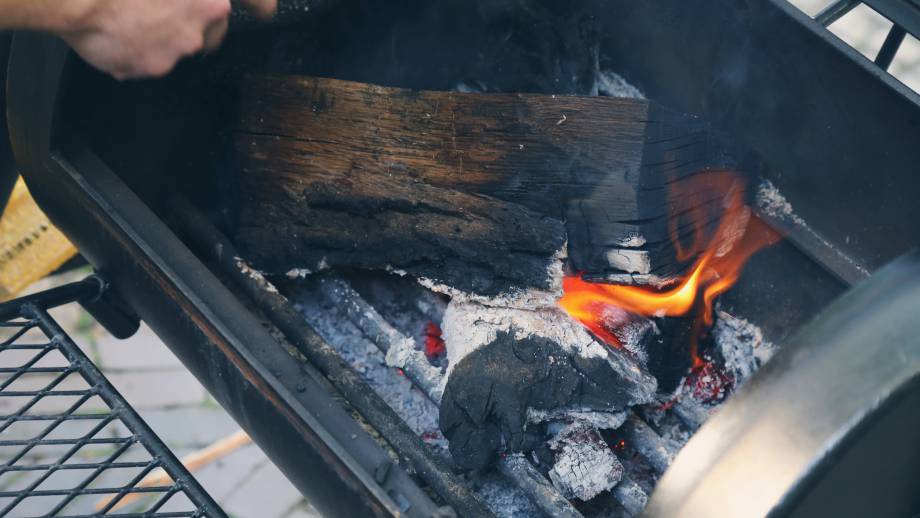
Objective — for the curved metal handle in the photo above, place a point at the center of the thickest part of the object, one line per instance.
(791, 439)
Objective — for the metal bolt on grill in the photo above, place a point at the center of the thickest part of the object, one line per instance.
(70, 445)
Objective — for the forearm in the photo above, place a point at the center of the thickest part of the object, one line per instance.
(130, 38)
(46, 15)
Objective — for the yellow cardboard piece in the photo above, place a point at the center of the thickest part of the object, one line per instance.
(30, 246)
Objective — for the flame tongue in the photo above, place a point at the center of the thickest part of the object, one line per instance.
(720, 257)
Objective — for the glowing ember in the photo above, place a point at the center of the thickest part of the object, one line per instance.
(708, 383)
(720, 256)
(434, 343)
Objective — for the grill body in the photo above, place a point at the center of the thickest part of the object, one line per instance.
(761, 71)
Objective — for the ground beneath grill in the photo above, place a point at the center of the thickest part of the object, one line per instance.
(166, 395)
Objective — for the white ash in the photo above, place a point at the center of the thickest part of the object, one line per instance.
(298, 273)
(585, 466)
(633, 240)
(468, 326)
(417, 409)
(504, 499)
(599, 420)
(691, 410)
(630, 261)
(401, 351)
(514, 298)
(632, 331)
(396, 271)
(400, 394)
(772, 203)
(742, 345)
(675, 437)
(611, 84)
(303, 273)
(432, 307)
(673, 431)
(402, 302)
(404, 355)
(631, 496)
(633, 279)
(633, 335)
(255, 275)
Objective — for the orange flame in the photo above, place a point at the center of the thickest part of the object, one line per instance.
(721, 255)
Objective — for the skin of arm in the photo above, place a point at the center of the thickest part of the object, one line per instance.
(130, 38)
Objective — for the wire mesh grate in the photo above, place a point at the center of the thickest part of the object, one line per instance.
(70, 445)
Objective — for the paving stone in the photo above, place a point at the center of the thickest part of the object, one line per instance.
(155, 389)
(193, 427)
(144, 350)
(303, 510)
(265, 493)
(226, 477)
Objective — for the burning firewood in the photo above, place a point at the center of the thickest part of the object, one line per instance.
(402, 354)
(585, 465)
(507, 363)
(491, 199)
(468, 190)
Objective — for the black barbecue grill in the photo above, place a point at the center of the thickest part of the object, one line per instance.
(48, 396)
(136, 176)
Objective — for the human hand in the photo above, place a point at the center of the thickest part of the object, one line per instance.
(146, 38)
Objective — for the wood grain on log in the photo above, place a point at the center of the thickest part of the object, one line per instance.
(369, 176)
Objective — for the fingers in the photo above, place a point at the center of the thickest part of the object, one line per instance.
(143, 38)
(261, 8)
(213, 10)
(214, 34)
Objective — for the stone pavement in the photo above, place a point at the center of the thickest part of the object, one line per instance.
(245, 483)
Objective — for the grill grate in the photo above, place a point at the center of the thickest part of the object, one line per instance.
(70, 445)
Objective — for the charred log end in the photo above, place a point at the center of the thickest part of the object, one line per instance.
(671, 208)
(490, 390)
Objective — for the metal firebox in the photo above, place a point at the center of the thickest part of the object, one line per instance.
(826, 428)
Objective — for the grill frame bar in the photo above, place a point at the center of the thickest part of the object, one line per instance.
(31, 312)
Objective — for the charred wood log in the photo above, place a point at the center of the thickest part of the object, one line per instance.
(468, 189)
(507, 366)
(474, 243)
(488, 393)
(585, 465)
(401, 353)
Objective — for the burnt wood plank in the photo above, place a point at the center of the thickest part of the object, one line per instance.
(471, 242)
(602, 165)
